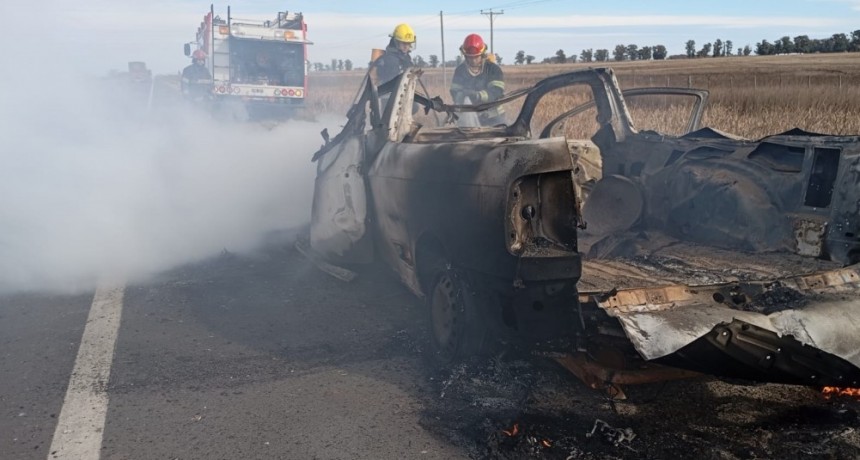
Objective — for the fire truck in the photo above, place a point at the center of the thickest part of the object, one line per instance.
(258, 66)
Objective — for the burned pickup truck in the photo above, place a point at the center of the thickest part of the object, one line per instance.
(571, 229)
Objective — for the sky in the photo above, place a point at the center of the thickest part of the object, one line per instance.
(111, 32)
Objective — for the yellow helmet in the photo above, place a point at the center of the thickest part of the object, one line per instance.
(403, 33)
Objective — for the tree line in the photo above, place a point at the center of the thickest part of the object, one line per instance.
(837, 43)
(718, 48)
(621, 52)
(802, 44)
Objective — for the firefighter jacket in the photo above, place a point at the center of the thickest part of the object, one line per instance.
(392, 63)
(487, 86)
(195, 79)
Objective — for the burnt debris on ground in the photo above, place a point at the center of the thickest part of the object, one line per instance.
(513, 407)
(510, 405)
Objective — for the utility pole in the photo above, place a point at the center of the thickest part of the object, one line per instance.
(444, 72)
(492, 13)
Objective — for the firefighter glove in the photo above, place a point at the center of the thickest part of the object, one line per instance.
(473, 96)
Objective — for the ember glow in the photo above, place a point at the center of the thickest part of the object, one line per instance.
(836, 391)
(513, 431)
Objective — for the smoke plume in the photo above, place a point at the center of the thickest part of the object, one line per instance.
(100, 177)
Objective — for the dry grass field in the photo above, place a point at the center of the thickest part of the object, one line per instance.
(750, 96)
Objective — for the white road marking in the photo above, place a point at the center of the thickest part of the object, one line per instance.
(81, 423)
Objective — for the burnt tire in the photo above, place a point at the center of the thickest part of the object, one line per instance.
(456, 309)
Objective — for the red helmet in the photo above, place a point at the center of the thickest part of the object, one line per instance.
(198, 55)
(473, 45)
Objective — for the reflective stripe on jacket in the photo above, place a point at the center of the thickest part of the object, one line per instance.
(487, 86)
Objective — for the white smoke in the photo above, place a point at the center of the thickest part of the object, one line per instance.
(89, 190)
(96, 179)
(93, 182)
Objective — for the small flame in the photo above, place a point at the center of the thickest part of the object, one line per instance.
(837, 391)
(546, 443)
(513, 431)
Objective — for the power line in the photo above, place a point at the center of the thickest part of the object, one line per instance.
(425, 20)
(511, 5)
(522, 4)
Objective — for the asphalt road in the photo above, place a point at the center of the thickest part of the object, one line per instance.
(251, 357)
(263, 356)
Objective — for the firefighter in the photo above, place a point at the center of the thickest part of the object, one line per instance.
(196, 79)
(264, 68)
(478, 80)
(396, 58)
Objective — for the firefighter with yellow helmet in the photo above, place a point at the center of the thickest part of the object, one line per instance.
(396, 58)
(478, 80)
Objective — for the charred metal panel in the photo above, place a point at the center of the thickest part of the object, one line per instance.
(810, 237)
(340, 210)
(714, 201)
(843, 236)
(541, 312)
(743, 350)
(825, 313)
(615, 204)
(398, 112)
(822, 178)
(782, 158)
(589, 165)
(711, 133)
(712, 204)
(645, 259)
(458, 193)
(743, 195)
(543, 214)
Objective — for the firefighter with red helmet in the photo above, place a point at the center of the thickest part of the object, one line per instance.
(196, 79)
(478, 80)
(396, 58)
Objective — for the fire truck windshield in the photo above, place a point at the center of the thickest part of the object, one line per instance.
(267, 62)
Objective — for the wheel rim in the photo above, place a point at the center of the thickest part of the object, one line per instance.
(444, 313)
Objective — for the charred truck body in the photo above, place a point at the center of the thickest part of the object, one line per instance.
(259, 66)
(622, 247)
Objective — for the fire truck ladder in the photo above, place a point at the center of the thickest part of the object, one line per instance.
(220, 48)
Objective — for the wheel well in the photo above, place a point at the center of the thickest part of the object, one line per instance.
(430, 254)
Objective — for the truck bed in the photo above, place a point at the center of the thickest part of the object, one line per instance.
(654, 260)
